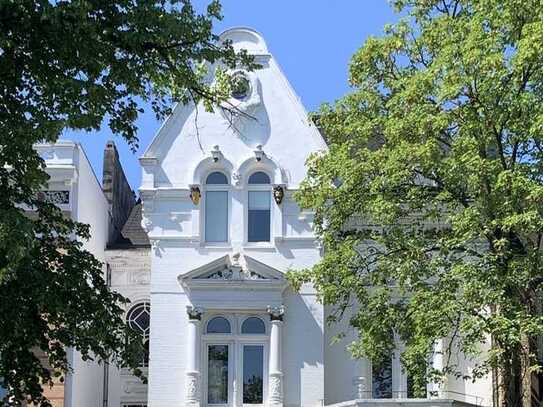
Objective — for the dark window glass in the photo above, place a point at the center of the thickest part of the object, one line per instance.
(259, 216)
(145, 353)
(382, 380)
(217, 374)
(218, 325)
(259, 178)
(253, 325)
(3, 391)
(411, 388)
(139, 318)
(216, 178)
(253, 374)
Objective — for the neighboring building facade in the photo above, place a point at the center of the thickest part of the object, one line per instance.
(203, 259)
(74, 187)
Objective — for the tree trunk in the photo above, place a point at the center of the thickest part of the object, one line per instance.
(515, 380)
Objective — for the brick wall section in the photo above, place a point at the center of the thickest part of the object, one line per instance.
(55, 394)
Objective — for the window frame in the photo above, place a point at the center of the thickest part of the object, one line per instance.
(258, 188)
(218, 333)
(236, 342)
(146, 335)
(399, 384)
(216, 188)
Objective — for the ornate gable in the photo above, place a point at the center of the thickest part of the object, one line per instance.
(234, 281)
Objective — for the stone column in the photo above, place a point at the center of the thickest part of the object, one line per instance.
(275, 393)
(192, 380)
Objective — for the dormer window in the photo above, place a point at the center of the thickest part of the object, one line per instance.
(216, 208)
(259, 208)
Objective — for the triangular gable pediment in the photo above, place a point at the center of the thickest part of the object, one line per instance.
(234, 267)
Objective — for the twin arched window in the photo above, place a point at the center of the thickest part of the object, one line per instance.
(258, 208)
(220, 325)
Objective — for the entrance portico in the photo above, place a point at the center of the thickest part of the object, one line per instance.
(234, 349)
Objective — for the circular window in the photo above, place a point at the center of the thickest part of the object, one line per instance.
(138, 318)
(240, 87)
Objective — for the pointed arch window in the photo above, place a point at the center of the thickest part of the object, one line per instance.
(259, 208)
(216, 208)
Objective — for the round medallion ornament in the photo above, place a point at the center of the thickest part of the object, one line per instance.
(241, 87)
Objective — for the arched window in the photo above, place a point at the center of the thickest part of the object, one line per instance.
(259, 178)
(216, 178)
(139, 318)
(253, 325)
(216, 208)
(218, 325)
(259, 208)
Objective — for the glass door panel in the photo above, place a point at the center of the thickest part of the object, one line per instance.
(253, 374)
(217, 374)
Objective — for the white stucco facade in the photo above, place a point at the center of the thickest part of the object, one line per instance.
(74, 186)
(272, 135)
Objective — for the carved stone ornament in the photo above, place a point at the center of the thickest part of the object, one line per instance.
(54, 197)
(360, 390)
(194, 313)
(235, 273)
(216, 154)
(193, 387)
(195, 194)
(276, 389)
(278, 194)
(276, 313)
(259, 153)
(236, 176)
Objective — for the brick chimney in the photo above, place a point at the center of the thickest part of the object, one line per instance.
(117, 191)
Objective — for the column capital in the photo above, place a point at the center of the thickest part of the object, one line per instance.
(276, 313)
(194, 313)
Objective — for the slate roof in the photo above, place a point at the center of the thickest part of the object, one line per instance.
(132, 234)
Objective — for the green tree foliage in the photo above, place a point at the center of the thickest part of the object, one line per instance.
(429, 201)
(78, 64)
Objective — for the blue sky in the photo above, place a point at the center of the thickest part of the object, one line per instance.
(312, 40)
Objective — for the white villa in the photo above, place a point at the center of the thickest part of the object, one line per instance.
(203, 258)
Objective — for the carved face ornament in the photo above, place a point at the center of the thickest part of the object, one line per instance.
(195, 195)
(278, 194)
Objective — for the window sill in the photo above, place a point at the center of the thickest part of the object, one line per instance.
(259, 245)
(218, 246)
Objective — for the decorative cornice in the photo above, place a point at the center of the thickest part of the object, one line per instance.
(148, 161)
